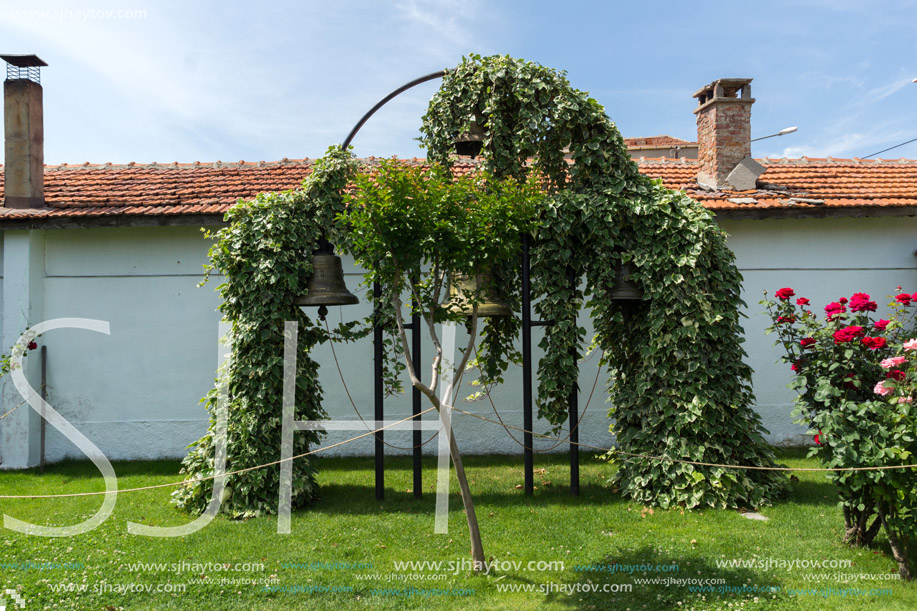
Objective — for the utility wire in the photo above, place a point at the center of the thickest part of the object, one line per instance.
(889, 148)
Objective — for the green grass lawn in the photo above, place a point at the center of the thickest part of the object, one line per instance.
(350, 542)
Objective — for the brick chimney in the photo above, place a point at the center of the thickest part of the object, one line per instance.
(724, 135)
(24, 158)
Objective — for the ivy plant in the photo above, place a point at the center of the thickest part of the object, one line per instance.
(264, 255)
(679, 385)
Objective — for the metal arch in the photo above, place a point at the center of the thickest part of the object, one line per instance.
(386, 99)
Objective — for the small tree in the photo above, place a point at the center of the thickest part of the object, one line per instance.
(415, 230)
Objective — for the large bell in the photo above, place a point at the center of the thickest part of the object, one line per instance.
(482, 285)
(625, 289)
(470, 143)
(326, 286)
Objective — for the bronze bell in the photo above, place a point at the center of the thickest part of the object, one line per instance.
(482, 284)
(470, 143)
(326, 286)
(625, 289)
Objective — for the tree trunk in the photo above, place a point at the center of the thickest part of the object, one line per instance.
(477, 548)
(898, 550)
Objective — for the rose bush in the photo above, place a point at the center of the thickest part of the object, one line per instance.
(855, 377)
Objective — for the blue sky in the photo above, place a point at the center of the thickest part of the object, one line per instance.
(207, 81)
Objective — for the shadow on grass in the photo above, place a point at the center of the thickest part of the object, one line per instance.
(82, 469)
(606, 585)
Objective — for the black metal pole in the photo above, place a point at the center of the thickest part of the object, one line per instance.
(416, 400)
(44, 396)
(386, 99)
(527, 423)
(379, 356)
(377, 329)
(573, 417)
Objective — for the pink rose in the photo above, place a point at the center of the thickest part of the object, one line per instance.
(910, 344)
(894, 361)
(882, 389)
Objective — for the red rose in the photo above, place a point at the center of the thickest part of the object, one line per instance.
(818, 438)
(903, 299)
(33, 345)
(807, 341)
(881, 324)
(833, 309)
(788, 319)
(873, 343)
(842, 300)
(850, 381)
(802, 301)
(785, 293)
(847, 334)
(796, 366)
(860, 302)
(895, 374)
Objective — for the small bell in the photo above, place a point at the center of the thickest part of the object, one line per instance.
(625, 289)
(470, 143)
(482, 284)
(326, 286)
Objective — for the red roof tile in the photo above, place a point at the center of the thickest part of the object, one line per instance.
(802, 182)
(657, 141)
(211, 188)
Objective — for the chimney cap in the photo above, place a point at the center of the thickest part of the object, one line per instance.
(24, 61)
(731, 83)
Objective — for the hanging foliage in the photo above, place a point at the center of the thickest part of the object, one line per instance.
(679, 385)
(264, 254)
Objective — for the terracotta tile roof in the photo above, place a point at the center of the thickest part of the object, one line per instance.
(656, 142)
(175, 190)
(802, 183)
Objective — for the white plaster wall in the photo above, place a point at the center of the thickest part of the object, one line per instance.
(135, 393)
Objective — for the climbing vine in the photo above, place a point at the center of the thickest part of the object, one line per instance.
(678, 383)
(264, 254)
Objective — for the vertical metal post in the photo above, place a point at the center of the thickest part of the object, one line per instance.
(379, 356)
(573, 417)
(416, 399)
(527, 423)
(44, 396)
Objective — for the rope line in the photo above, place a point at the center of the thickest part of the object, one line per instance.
(692, 462)
(479, 417)
(204, 479)
(598, 372)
